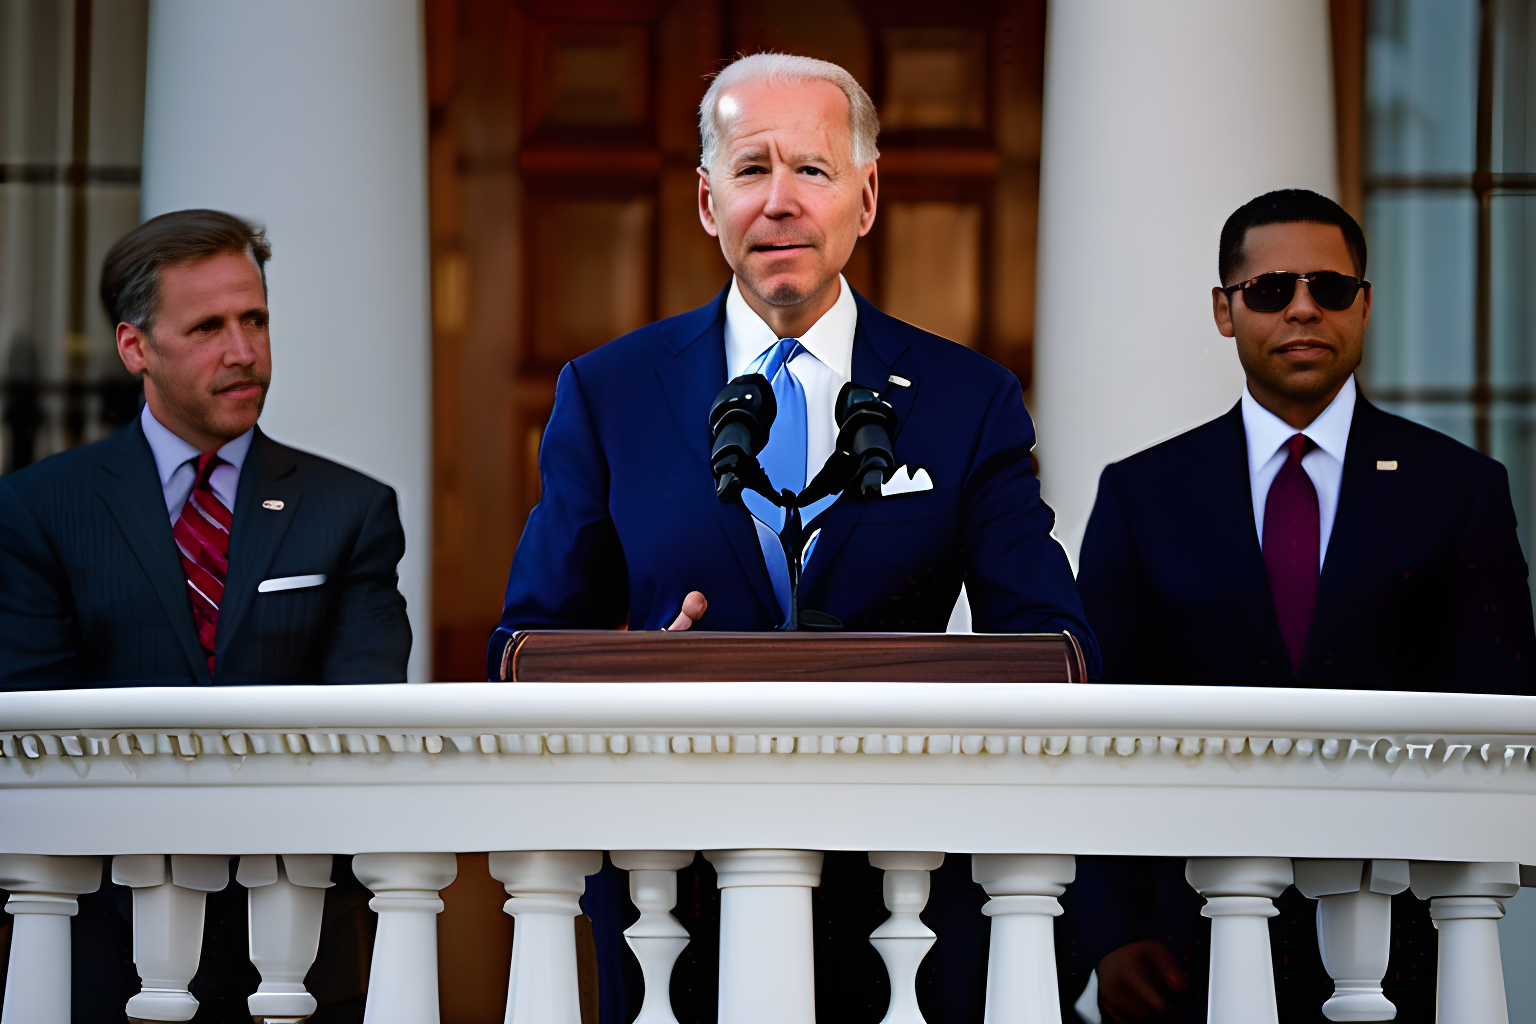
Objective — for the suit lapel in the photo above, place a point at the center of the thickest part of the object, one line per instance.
(877, 353)
(1350, 523)
(690, 377)
(1237, 538)
(270, 472)
(129, 485)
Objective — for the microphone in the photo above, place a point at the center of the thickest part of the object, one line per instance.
(865, 424)
(739, 421)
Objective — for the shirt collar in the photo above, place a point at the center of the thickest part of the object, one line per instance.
(829, 339)
(1267, 432)
(172, 452)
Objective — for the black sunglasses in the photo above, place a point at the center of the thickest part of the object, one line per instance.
(1272, 292)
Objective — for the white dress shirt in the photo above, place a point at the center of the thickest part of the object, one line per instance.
(177, 462)
(825, 365)
(1267, 435)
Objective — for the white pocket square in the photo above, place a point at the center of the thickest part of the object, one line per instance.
(905, 481)
(290, 583)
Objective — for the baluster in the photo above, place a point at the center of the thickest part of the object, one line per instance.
(402, 979)
(902, 939)
(168, 927)
(286, 899)
(767, 972)
(658, 937)
(545, 889)
(1021, 964)
(43, 891)
(1239, 899)
(1464, 905)
(1354, 930)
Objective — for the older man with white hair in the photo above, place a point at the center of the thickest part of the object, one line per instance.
(630, 530)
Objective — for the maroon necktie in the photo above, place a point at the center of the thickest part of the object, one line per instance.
(202, 534)
(1291, 529)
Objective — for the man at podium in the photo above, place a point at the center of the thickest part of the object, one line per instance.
(630, 532)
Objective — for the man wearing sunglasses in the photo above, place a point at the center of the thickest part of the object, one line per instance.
(1305, 538)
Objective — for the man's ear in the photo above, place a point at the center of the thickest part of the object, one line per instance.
(1221, 308)
(869, 199)
(133, 348)
(706, 209)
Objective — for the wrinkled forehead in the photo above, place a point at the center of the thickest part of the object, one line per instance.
(799, 114)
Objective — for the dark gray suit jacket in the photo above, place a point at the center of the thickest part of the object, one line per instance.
(92, 591)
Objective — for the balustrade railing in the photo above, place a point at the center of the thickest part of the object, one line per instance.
(1351, 796)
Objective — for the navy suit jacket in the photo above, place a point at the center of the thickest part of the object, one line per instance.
(629, 522)
(1423, 586)
(92, 591)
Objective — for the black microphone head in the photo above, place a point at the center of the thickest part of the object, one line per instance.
(854, 397)
(866, 423)
(748, 400)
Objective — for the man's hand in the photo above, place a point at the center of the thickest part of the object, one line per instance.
(694, 606)
(1137, 984)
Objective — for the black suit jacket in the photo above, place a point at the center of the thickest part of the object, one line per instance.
(92, 590)
(1423, 586)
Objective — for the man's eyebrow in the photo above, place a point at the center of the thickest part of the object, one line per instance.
(260, 311)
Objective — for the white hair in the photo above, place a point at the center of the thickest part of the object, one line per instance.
(788, 69)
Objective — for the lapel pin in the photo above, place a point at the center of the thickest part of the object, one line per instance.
(276, 504)
(900, 382)
(1386, 464)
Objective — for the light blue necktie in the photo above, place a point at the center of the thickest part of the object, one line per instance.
(783, 459)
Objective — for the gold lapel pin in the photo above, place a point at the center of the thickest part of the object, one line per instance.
(1386, 464)
(275, 504)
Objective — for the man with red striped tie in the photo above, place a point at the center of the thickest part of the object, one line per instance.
(189, 548)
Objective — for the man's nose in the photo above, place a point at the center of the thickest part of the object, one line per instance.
(1303, 308)
(783, 199)
(241, 350)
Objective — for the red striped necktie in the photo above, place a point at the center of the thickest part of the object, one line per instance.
(202, 534)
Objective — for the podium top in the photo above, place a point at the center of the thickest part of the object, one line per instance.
(590, 656)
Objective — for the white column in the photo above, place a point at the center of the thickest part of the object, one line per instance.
(402, 979)
(286, 899)
(767, 966)
(43, 891)
(1021, 965)
(1354, 930)
(1149, 144)
(902, 939)
(1239, 899)
(168, 927)
(546, 888)
(657, 937)
(335, 168)
(1464, 904)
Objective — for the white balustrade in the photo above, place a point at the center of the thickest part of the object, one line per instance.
(1239, 899)
(286, 899)
(1354, 926)
(43, 891)
(1305, 784)
(1021, 971)
(402, 980)
(767, 966)
(169, 896)
(545, 890)
(1464, 904)
(657, 938)
(902, 939)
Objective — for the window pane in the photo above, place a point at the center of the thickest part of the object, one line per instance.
(1422, 266)
(1514, 97)
(1453, 418)
(1421, 87)
(1514, 291)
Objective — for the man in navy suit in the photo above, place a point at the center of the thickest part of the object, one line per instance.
(629, 529)
(1305, 538)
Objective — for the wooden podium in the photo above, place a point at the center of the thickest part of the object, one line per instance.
(595, 656)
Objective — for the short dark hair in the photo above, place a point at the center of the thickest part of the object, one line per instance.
(1286, 206)
(130, 275)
